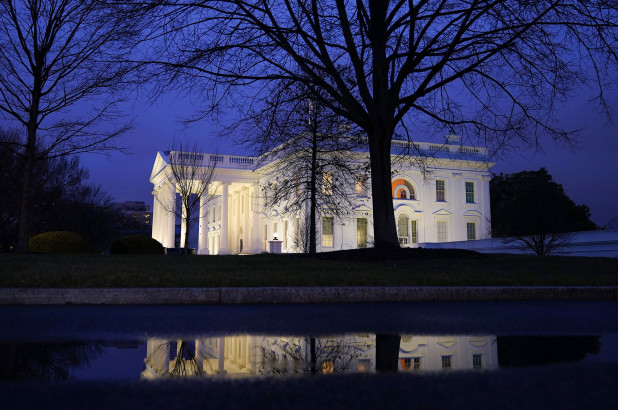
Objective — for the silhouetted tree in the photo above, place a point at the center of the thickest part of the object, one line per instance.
(493, 71)
(531, 207)
(313, 160)
(192, 174)
(54, 55)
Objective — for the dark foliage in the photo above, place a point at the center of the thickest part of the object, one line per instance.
(519, 351)
(44, 361)
(137, 244)
(59, 242)
(534, 209)
(530, 202)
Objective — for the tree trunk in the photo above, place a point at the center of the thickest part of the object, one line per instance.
(187, 223)
(313, 193)
(384, 230)
(387, 352)
(23, 234)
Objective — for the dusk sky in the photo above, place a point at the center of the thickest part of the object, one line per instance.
(589, 175)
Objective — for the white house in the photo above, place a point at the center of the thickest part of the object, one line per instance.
(352, 353)
(440, 194)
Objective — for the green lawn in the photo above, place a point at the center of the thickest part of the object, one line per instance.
(409, 268)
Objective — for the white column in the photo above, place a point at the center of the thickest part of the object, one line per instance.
(170, 215)
(221, 355)
(245, 219)
(156, 223)
(183, 224)
(202, 242)
(256, 242)
(224, 250)
(456, 230)
(485, 222)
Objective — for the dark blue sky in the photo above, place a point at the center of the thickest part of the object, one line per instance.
(589, 174)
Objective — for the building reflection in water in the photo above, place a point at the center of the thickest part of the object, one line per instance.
(271, 355)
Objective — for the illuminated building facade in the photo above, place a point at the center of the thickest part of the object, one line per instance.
(440, 194)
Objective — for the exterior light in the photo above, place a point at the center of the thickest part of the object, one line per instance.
(275, 236)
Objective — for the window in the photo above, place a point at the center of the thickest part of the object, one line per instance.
(402, 229)
(297, 233)
(361, 185)
(471, 231)
(361, 232)
(411, 363)
(297, 185)
(403, 189)
(470, 192)
(327, 183)
(447, 362)
(414, 231)
(440, 191)
(477, 361)
(442, 231)
(275, 230)
(327, 231)
(364, 365)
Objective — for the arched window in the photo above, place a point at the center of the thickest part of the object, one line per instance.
(402, 229)
(403, 189)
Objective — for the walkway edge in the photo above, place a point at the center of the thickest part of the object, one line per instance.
(281, 295)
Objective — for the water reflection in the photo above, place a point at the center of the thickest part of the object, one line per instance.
(260, 355)
(44, 361)
(278, 355)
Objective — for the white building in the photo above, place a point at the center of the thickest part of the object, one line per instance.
(278, 355)
(439, 195)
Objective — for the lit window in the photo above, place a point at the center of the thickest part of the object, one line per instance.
(447, 362)
(328, 366)
(327, 183)
(477, 361)
(364, 365)
(361, 185)
(442, 231)
(361, 232)
(414, 231)
(440, 192)
(403, 189)
(406, 363)
(327, 232)
(470, 192)
(402, 229)
(471, 230)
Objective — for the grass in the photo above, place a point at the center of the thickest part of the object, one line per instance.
(408, 267)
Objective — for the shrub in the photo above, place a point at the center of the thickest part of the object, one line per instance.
(137, 244)
(60, 242)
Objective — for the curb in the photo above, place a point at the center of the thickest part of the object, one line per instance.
(276, 295)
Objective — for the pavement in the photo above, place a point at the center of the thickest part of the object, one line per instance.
(296, 295)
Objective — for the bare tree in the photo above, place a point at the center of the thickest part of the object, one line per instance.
(492, 70)
(312, 153)
(192, 174)
(58, 59)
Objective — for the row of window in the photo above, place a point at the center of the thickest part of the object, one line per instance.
(414, 363)
(407, 231)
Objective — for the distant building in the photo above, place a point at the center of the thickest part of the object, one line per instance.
(447, 200)
(136, 214)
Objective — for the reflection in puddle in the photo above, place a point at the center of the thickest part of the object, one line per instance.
(258, 355)
(268, 355)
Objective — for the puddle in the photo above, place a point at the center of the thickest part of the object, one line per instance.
(255, 356)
